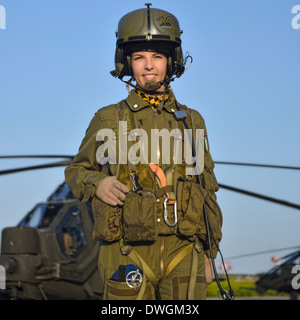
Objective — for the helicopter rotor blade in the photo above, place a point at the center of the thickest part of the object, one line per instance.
(234, 189)
(257, 165)
(261, 196)
(36, 156)
(261, 252)
(41, 166)
(216, 162)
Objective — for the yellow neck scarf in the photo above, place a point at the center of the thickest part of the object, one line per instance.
(153, 101)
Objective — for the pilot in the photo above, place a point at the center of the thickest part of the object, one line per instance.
(149, 208)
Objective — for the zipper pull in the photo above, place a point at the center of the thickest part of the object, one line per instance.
(154, 112)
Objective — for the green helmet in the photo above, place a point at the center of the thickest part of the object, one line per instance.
(148, 29)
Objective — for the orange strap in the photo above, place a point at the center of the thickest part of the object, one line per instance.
(162, 178)
(160, 174)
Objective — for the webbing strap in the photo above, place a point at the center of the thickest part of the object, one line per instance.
(148, 273)
(161, 191)
(194, 269)
(180, 256)
(193, 276)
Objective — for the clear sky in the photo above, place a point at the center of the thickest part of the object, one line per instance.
(55, 59)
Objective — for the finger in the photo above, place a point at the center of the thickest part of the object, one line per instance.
(121, 186)
(119, 194)
(113, 200)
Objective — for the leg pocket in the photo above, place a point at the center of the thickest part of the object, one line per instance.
(115, 290)
(180, 285)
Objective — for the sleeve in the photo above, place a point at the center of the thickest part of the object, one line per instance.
(210, 184)
(84, 173)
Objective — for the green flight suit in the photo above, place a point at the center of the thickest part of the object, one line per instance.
(154, 252)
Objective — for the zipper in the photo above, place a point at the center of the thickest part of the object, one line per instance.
(154, 117)
(155, 127)
(162, 239)
(162, 249)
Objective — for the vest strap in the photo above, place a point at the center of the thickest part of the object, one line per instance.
(149, 274)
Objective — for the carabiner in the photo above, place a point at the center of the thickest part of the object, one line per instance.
(166, 213)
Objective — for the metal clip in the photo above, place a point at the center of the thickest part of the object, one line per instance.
(126, 249)
(135, 182)
(197, 245)
(166, 213)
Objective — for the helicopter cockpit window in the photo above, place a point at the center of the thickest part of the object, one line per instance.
(41, 216)
(70, 233)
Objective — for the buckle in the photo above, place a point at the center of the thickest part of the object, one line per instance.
(125, 249)
(197, 245)
(170, 224)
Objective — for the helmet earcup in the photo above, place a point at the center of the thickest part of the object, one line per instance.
(128, 67)
(178, 62)
(119, 61)
(170, 67)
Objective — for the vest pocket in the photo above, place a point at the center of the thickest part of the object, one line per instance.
(214, 215)
(139, 217)
(107, 221)
(190, 200)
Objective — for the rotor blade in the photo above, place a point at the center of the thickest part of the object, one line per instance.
(36, 156)
(65, 163)
(260, 196)
(260, 252)
(217, 162)
(42, 166)
(258, 165)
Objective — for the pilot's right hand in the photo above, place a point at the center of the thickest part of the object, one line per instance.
(111, 191)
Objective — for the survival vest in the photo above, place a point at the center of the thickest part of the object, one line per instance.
(161, 202)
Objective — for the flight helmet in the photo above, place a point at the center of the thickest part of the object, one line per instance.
(148, 29)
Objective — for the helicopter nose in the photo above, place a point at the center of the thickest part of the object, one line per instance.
(9, 264)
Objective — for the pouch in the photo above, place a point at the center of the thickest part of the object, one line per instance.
(114, 290)
(215, 218)
(107, 221)
(139, 217)
(190, 200)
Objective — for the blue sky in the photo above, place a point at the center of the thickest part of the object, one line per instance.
(55, 59)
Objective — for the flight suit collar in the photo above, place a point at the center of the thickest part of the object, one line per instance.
(136, 103)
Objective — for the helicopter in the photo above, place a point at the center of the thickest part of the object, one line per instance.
(280, 277)
(50, 254)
